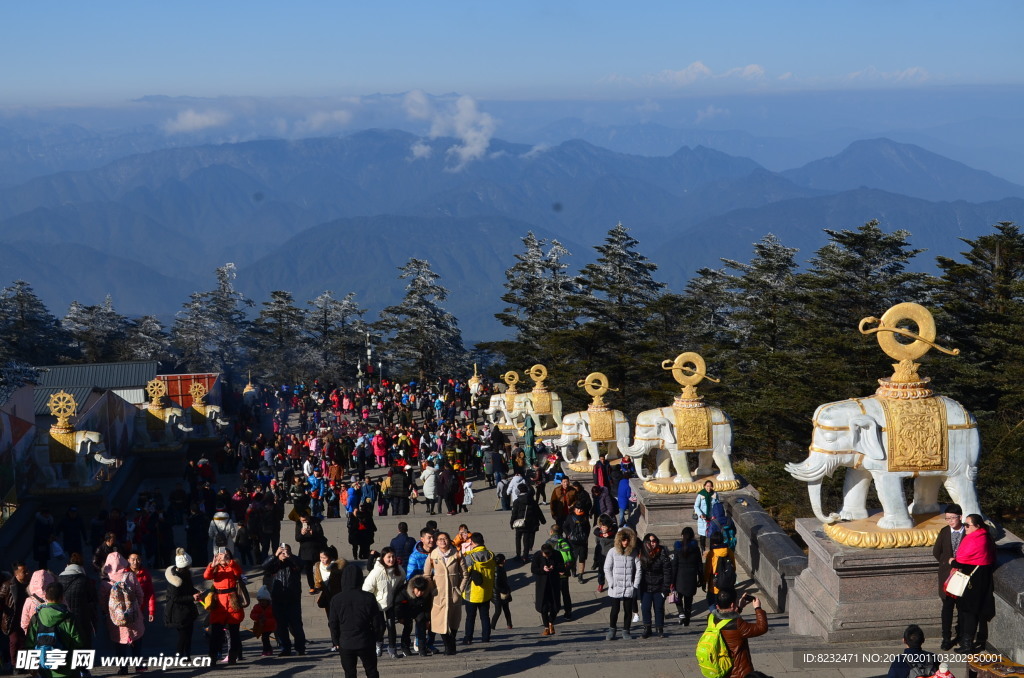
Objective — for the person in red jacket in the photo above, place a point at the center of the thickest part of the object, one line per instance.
(146, 582)
(264, 622)
(737, 631)
(226, 608)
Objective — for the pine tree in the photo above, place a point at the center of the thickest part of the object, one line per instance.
(277, 340)
(335, 328)
(422, 336)
(982, 299)
(97, 331)
(210, 330)
(858, 274)
(613, 296)
(769, 399)
(28, 332)
(146, 340)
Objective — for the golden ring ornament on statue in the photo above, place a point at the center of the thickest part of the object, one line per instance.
(511, 377)
(62, 405)
(923, 339)
(538, 373)
(691, 363)
(596, 384)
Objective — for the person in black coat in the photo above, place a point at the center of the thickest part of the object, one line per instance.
(655, 583)
(361, 529)
(80, 598)
(525, 508)
(547, 569)
(944, 550)
(309, 533)
(180, 611)
(197, 531)
(687, 574)
(412, 607)
(357, 621)
(282, 575)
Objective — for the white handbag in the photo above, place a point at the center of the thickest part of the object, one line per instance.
(958, 581)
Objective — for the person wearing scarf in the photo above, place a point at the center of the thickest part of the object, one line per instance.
(976, 557)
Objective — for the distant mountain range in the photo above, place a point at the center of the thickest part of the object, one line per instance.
(344, 213)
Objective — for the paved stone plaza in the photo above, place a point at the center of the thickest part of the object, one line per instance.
(577, 649)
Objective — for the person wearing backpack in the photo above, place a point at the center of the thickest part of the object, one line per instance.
(222, 532)
(562, 546)
(719, 570)
(722, 651)
(36, 595)
(52, 627)
(123, 595)
(914, 662)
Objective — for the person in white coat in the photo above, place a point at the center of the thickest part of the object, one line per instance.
(622, 572)
(385, 580)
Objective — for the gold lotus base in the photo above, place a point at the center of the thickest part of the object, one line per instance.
(866, 534)
(667, 486)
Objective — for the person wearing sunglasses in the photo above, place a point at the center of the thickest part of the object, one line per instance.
(976, 558)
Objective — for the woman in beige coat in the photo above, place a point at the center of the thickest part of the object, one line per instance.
(444, 568)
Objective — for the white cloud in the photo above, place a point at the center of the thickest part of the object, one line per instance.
(421, 149)
(912, 74)
(748, 72)
(786, 76)
(460, 119)
(535, 151)
(417, 105)
(686, 76)
(193, 121)
(319, 121)
(696, 72)
(709, 113)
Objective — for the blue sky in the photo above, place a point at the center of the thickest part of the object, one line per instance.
(90, 53)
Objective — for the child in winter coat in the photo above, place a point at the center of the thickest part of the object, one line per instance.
(264, 622)
(467, 496)
(502, 592)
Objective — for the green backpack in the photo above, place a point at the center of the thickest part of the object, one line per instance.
(712, 653)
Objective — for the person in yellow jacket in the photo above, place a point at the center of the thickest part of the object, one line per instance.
(481, 569)
(719, 570)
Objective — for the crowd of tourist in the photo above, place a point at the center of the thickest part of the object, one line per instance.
(303, 456)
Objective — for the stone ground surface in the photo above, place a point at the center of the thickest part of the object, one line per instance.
(577, 649)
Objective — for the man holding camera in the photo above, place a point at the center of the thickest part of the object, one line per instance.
(737, 631)
(282, 574)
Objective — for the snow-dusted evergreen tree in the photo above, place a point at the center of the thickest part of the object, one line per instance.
(213, 326)
(192, 334)
(422, 337)
(615, 289)
(96, 331)
(146, 340)
(336, 329)
(14, 375)
(538, 298)
(29, 333)
(278, 340)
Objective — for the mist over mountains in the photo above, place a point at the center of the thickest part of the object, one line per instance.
(342, 213)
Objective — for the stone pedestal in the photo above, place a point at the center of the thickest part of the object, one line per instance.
(849, 594)
(663, 514)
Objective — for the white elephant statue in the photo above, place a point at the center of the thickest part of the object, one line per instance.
(88, 445)
(207, 425)
(172, 427)
(576, 443)
(655, 431)
(541, 421)
(499, 415)
(852, 433)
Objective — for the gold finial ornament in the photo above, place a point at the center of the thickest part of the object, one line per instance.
(249, 388)
(689, 369)
(198, 392)
(474, 381)
(511, 378)
(157, 391)
(538, 373)
(596, 385)
(905, 381)
(63, 406)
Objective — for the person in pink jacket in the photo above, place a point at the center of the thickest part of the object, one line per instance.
(40, 579)
(115, 569)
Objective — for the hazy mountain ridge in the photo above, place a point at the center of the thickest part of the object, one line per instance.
(344, 213)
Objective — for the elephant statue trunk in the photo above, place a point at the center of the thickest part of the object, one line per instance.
(811, 471)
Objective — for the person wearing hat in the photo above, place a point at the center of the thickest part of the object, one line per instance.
(180, 609)
(264, 623)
